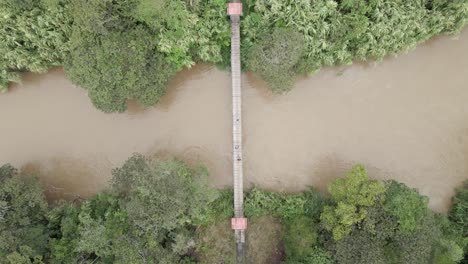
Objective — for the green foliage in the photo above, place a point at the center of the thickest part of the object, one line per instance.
(176, 192)
(148, 216)
(32, 38)
(379, 224)
(213, 32)
(360, 247)
(357, 189)
(114, 58)
(417, 247)
(459, 211)
(448, 252)
(128, 49)
(63, 228)
(318, 256)
(458, 215)
(259, 203)
(119, 66)
(379, 240)
(174, 26)
(406, 204)
(352, 195)
(339, 32)
(397, 229)
(161, 211)
(314, 203)
(161, 201)
(218, 210)
(23, 232)
(300, 237)
(24, 256)
(275, 56)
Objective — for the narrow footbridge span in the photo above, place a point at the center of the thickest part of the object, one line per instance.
(239, 223)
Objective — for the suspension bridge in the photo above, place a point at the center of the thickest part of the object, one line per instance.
(238, 222)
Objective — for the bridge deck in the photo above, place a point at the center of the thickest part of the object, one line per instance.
(234, 10)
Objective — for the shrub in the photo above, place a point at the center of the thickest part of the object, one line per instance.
(319, 256)
(218, 210)
(259, 203)
(314, 203)
(300, 238)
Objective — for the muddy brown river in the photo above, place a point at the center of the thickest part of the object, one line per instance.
(405, 118)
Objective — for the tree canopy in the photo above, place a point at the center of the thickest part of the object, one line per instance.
(129, 49)
(352, 195)
(459, 216)
(133, 70)
(33, 37)
(275, 56)
(147, 216)
(162, 211)
(23, 232)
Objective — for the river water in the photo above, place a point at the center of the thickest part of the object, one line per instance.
(405, 118)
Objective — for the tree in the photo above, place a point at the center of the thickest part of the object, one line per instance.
(148, 216)
(301, 242)
(162, 199)
(417, 247)
(115, 58)
(360, 247)
(274, 58)
(379, 224)
(353, 195)
(63, 231)
(177, 193)
(368, 241)
(406, 204)
(119, 66)
(23, 232)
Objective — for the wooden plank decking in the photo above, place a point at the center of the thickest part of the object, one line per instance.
(235, 10)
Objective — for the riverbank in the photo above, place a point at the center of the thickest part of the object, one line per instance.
(404, 119)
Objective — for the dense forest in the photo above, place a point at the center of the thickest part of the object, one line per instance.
(128, 49)
(162, 211)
